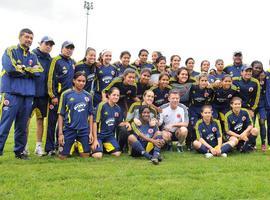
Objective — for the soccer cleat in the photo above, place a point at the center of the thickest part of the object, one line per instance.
(51, 153)
(169, 146)
(39, 151)
(179, 148)
(21, 156)
(263, 148)
(159, 158)
(208, 155)
(154, 160)
(224, 155)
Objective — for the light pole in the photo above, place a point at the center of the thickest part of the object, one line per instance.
(88, 6)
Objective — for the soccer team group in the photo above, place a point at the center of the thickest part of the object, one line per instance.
(95, 106)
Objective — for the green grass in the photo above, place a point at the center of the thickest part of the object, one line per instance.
(179, 176)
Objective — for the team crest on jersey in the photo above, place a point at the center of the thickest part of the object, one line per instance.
(129, 92)
(6, 102)
(51, 106)
(244, 118)
(166, 95)
(229, 96)
(250, 89)
(64, 70)
(150, 130)
(206, 94)
(30, 62)
(214, 129)
(86, 99)
(113, 73)
(71, 99)
(116, 114)
(178, 116)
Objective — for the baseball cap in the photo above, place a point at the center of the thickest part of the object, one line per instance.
(68, 43)
(246, 67)
(47, 39)
(237, 53)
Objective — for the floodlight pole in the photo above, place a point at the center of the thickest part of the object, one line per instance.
(88, 6)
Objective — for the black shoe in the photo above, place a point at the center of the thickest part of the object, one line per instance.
(159, 158)
(51, 153)
(22, 156)
(179, 148)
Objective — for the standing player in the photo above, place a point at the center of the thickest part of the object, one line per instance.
(75, 119)
(174, 65)
(20, 66)
(142, 61)
(59, 79)
(146, 140)
(124, 64)
(160, 68)
(40, 102)
(190, 67)
(105, 74)
(209, 136)
(235, 69)
(238, 125)
(108, 117)
(89, 66)
(174, 120)
(143, 83)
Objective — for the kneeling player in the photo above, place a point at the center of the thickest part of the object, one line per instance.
(75, 118)
(108, 117)
(146, 140)
(238, 125)
(209, 136)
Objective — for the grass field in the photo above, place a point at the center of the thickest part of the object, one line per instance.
(179, 176)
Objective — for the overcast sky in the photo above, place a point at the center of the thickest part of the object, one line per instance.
(207, 29)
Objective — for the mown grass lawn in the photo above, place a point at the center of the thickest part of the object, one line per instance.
(179, 176)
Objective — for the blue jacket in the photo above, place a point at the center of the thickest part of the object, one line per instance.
(233, 70)
(20, 66)
(60, 75)
(41, 81)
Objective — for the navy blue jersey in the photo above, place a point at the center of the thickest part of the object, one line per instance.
(41, 81)
(141, 88)
(233, 70)
(267, 90)
(75, 107)
(160, 95)
(107, 118)
(211, 78)
(199, 97)
(193, 75)
(209, 132)
(121, 68)
(237, 123)
(249, 91)
(144, 65)
(133, 111)
(145, 129)
(222, 97)
(219, 76)
(105, 75)
(60, 75)
(127, 92)
(263, 91)
(90, 72)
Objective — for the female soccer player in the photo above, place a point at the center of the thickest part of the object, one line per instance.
(209, 136)
(190, 66)
(143, 83)
(160, 68)
(199, 96)
(182, 84)
(155, 55)
(124, 63)
(75, 118)
(161, 91)
(259, 74)
(105, 74)
(238, 124)
(142, 61)
(89, 67)
(174, 65)
(108, 117)
(146, 140)
(219, 64)
(223, 97)
(127, 87)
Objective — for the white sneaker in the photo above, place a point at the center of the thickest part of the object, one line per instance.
(39, 151)
(26, 151)
(224, 155)
(208, 155)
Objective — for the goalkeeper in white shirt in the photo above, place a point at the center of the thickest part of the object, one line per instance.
(174, 121)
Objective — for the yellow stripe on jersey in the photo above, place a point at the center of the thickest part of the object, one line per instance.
(2, 104)
(226, 123)
(50, 76)
(135, 129)
(197, 128)
(219, 126)
(256, 102)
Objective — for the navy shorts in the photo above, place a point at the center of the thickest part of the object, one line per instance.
(74, 140)
(107, 144)
(39, 107)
